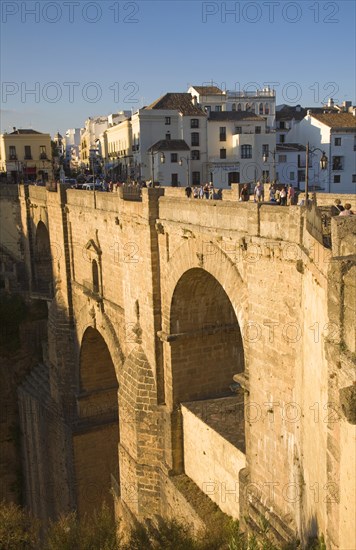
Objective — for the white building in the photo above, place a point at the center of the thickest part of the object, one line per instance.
(334, 133)
(174, 116)
(290, 165)
(237, 143)
(209, 98)
(94, 126)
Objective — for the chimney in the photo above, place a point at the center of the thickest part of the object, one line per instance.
(14, 128)
(330, 102)
(195, 100)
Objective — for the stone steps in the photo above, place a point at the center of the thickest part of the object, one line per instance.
(263, 522)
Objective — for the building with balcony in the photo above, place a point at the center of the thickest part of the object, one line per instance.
(118, 152)
(258, 102)
(26, 155)
(94, 126)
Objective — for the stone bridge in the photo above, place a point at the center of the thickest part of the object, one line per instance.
(197, 351)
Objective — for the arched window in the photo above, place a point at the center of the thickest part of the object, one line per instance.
(266, 109)
(261, 109)
(234, 106)
(239, 107)
(95, 275)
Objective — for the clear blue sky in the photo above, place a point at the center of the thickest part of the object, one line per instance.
(134, 52)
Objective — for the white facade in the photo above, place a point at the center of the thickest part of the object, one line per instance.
(336, 135)
(236, 144)
(290, 165)
(151, 125)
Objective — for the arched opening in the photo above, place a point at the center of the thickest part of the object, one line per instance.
(261, 109)
(95, 276)
(239, 108)
(206, 352)
(43, 262)
(97, 436)
(234, 106)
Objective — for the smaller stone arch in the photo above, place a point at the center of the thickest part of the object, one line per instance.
(95, 443)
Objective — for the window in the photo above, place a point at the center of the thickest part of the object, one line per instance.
(43, 153)
(195, 139)
(12, 152)
(337, 179)
(207, 108)
(257, 129)
(266, 109)
(95, 275)
(222, 133)
(265, 150)
(353, 178)
(338, 163)
(233, 108)
(239, 107)
(223, 153)
(282, 125)
(337, 141)
(291, 176)
(196, 178)
(174, 180)
(167, 120)
(246, 151)
(282, 138)
(282, 158)
(194, 123)
(218, 108)
(168, 136)
(195, 155)
(238, 129)
(174, 157)
(28, 155)
(261, 109)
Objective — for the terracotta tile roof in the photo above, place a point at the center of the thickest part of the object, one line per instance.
(22, 131)
(208, 90)
(336, 120)
(181, 102)
(235, 115)
(169, 145)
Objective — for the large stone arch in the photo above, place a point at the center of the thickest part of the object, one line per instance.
(203, 320)
(96, 432)
(43, 279)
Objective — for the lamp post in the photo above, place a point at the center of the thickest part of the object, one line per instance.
(323, 166)
(162, 159)
(265, 159)
(188, 168)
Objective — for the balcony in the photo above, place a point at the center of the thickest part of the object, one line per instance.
(28, 157)
(13, 157)
(43, 156)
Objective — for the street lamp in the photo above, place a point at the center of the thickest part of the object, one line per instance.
(188, 169)
(266, 154)
(323, 166)
(162, 160)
